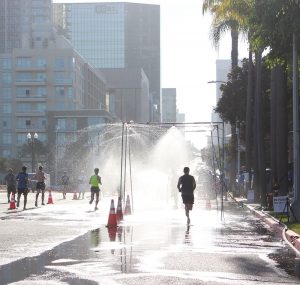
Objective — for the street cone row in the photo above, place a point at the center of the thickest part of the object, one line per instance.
(12, 205)
(127, 210)
(50, 200)
(119, 214)
(112, 218)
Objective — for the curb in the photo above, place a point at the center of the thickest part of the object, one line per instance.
(280, 229)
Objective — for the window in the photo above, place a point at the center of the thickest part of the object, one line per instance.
(6, 78)
(27, 92)
(23, 62)
(21, 139)
(59, 63)
(61, 124)
(6, 92)
(6, 153)
(6, 139)
(6, 123)
(41, 91)
(28, 123)
(7, 108)
(6, 63)
(40, 76)
(59, 91)
(41, 62)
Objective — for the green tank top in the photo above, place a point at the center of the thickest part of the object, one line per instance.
(95, 180)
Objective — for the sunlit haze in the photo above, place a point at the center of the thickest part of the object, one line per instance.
(187, 55)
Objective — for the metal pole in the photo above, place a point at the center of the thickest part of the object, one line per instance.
(32, 154)
(238, 147)
(296, 154)
(122, 147)
(125, 162)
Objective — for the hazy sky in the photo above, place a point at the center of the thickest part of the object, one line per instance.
(187, 55)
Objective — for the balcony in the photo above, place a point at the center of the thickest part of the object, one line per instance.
(33, 67)
(31, 99)
(31, 130)
(30, 114)
(63, 81)
(30, 82)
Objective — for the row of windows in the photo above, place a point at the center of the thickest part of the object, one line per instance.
(59, 77)
(28, 62)
(22, 138)
(36, 123)
(31, 107)
(37, 92)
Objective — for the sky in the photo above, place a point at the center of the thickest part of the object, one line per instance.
(187, 55)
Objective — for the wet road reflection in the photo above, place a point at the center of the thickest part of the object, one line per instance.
(159, 248)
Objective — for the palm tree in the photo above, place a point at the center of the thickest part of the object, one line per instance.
(228, 16)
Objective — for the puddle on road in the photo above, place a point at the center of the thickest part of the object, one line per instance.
(102, 252)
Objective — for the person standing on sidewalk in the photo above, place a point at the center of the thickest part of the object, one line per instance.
(186, 185)
(10, 180)
(82, 184)
(40, 185)
(65, 180)
(22, 179)
(95, 181)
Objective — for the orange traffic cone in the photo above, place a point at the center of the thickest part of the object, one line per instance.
(127, 210)
(112, 219)
(50, 200)
(75, 196)
(119, 214)
(112, 233)
(208, 204)
(12, 204)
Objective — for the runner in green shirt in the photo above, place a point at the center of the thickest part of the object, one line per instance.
(95, 181)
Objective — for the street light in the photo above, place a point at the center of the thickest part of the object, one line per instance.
(32, 139)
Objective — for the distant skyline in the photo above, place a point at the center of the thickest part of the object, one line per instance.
(187, 54)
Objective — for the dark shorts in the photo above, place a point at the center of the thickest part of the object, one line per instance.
(23, 191)
(40, 186)
(187, 199)
(11, 188)
(95, 189)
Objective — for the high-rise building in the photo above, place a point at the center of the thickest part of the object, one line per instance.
(168, 105)
(25, 20)
(116, 35)
(39, 72)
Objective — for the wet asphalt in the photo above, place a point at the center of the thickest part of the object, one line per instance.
(152, 246)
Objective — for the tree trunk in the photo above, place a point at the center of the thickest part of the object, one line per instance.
(249, 117)
(234, 47)
(259, 132)
(233, 148)
(274, 93)
(282, 130)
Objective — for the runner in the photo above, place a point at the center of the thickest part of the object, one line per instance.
(22, 179)
(40, 185)
(10, 180)
(186, 185)
(95, 181)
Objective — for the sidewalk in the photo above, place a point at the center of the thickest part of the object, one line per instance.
(276, 226)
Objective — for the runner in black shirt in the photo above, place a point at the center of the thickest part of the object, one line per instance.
(186, 185)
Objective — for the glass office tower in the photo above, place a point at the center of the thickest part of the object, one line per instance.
(115, 35)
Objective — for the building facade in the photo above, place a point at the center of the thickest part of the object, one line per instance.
(24, 21)
(128, 91)
(37, 80)
(168, 105)
(116, 35)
